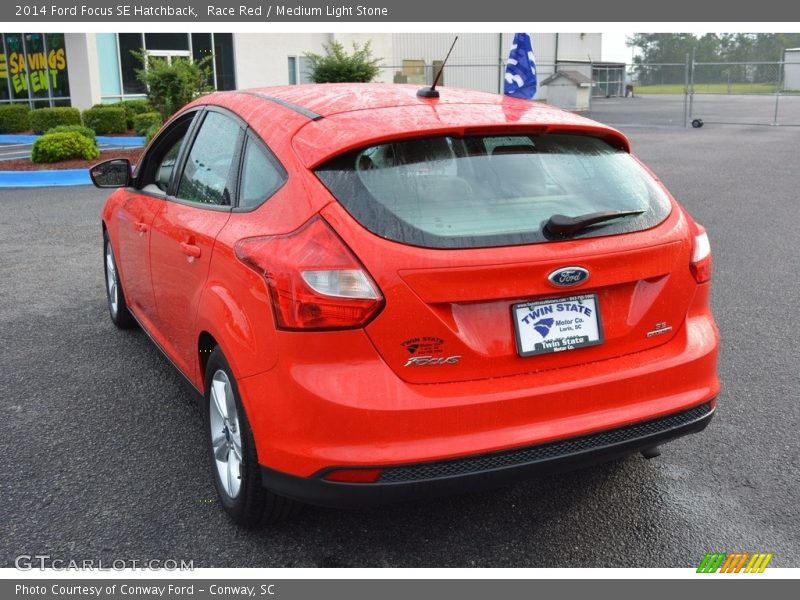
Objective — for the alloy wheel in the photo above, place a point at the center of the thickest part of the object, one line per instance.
(225, 431)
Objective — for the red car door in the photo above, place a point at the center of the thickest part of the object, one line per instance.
(184, 232)
(134, 220)
(136, 213)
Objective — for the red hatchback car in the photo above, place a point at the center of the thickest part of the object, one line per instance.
(381, 295)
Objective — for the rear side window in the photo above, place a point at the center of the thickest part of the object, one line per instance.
(480, 191)
(261, 176)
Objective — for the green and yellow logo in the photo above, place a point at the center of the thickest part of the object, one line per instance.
(744, 562)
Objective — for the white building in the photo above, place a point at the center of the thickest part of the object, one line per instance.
(82, 69)
(791, 69)
(569, 89)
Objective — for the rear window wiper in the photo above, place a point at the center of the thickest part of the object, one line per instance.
(562, 225)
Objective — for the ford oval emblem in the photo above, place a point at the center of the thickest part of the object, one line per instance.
(568, 276)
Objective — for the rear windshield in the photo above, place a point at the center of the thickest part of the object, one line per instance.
(498, 190)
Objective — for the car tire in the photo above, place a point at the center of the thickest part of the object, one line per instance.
(232, 452)
(117, 306)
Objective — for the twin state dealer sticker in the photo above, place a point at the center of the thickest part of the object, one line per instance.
(557, 324)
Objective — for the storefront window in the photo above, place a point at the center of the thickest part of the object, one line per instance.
(173, 45)
(57, 63)
(299, 70)
(110, 85)
(201, 46)
(38, 71)
(166, 41)
(129, 42)
(223, 59)
(33, 68)
(16, 66)
(5, 90)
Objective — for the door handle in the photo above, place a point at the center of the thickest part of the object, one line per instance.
(190, 250)
(141, 227)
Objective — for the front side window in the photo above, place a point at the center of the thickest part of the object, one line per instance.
(167, 164)
(155, 170)
(208, 173)
(494, 190)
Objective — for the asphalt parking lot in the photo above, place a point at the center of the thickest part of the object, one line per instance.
(667, 110)
(103, 450)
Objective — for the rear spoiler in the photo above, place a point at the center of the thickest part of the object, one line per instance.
(319, 141)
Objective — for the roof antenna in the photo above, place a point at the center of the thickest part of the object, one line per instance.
(432, 92)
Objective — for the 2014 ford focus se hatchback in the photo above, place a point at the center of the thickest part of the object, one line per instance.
(382, 296)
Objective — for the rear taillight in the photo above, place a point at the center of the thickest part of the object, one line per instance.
(315, 281)
(701, 256)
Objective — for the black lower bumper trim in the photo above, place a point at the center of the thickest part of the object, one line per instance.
(406, 482)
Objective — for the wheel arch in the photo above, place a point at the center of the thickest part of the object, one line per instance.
(205, 346)
(223, 320)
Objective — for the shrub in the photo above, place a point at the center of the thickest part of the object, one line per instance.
(339, 66)
(134, 108)
(14, 118)
(84, 131)
(106, 119)
(43, 119)
(171, 86)
(131, 108)
(148, 135)
(53, 147)
(144, 122)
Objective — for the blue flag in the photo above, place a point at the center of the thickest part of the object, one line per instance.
(521, 69)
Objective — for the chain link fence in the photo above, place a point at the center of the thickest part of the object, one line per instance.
(746, 93)
(655, 96)
(572, 90)
(643, 95)
(484, 76)
(695, 93)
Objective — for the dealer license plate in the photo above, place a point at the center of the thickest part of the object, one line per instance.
(556, 325)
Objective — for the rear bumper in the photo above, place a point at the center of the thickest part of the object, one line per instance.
(438, 478)
(324, 406)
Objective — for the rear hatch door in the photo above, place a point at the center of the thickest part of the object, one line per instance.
(457, 240)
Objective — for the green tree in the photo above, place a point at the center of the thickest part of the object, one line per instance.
(658, 55)
(712, 47)
(172, 85)
(662, 47)
(658, 48)
(338, 66)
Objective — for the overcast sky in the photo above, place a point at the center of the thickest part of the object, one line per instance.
(614, 48)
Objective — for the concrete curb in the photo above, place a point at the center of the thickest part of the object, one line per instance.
(48, 178)
(55, 177)
(110, 140)
(14, 138)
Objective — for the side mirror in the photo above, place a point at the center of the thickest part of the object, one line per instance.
(111, 173)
